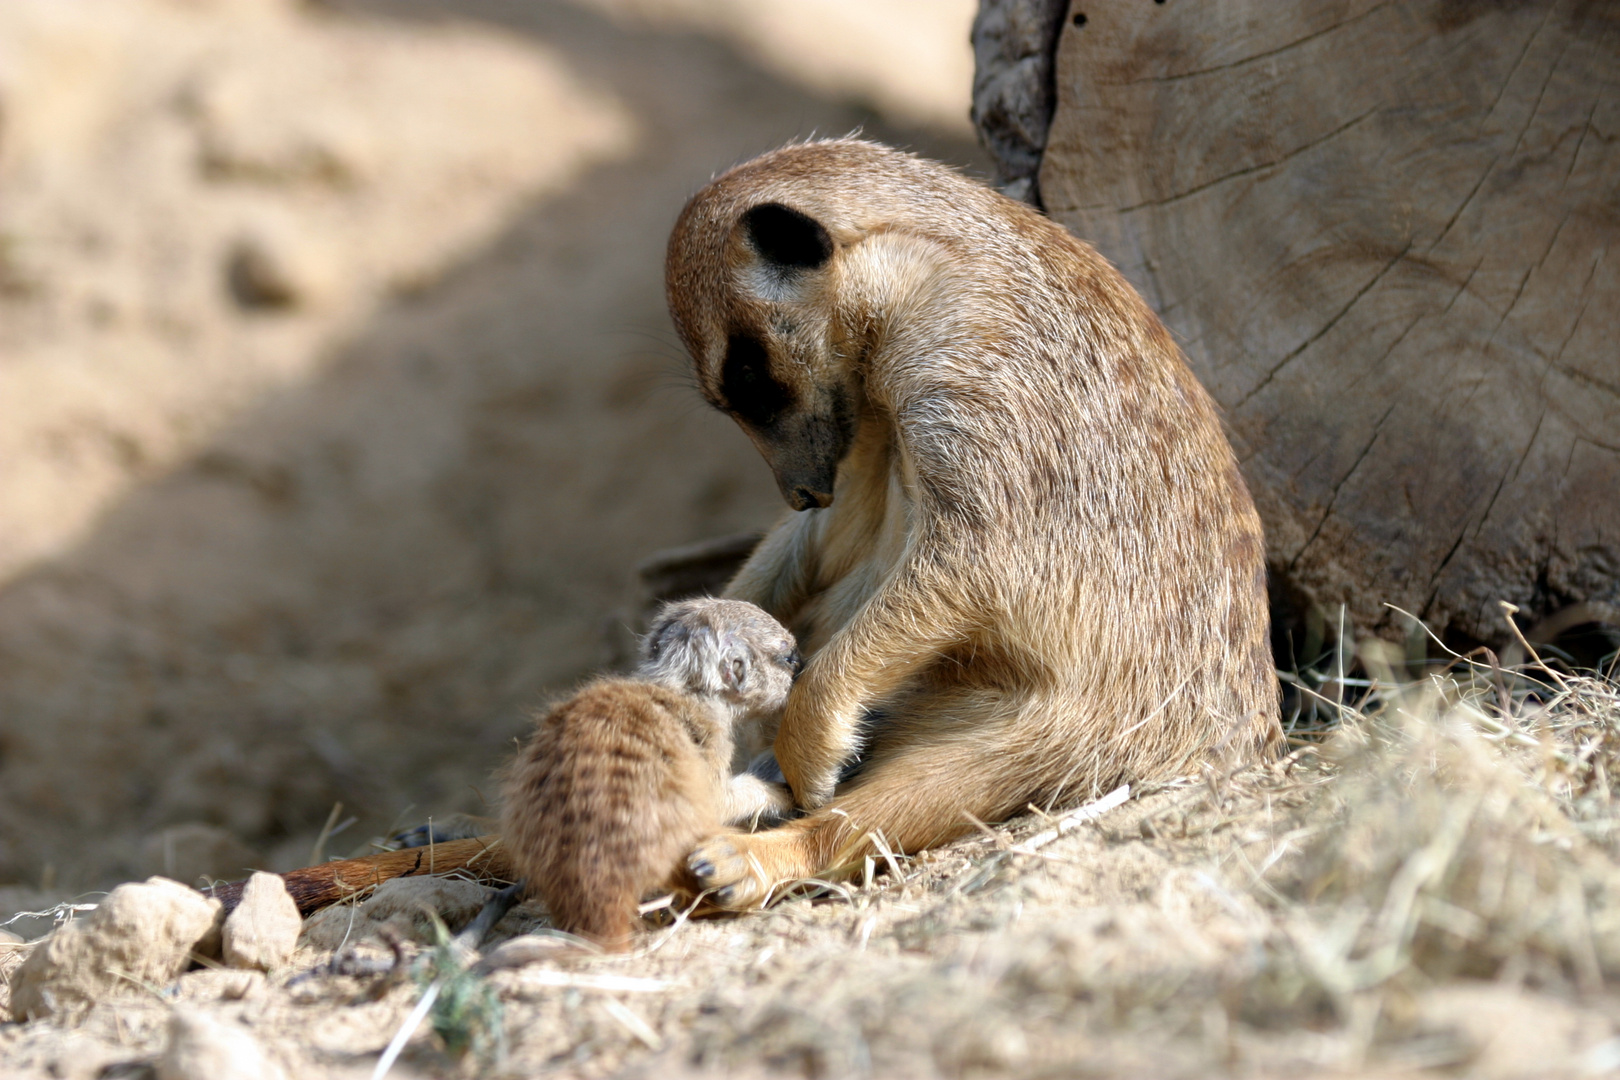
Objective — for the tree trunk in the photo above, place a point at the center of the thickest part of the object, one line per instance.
(1381, 233)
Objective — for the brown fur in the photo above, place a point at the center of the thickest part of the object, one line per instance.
(1042, 574)
(618, 782)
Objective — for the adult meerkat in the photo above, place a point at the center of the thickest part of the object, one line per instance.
(618, 782)
(1023, 565)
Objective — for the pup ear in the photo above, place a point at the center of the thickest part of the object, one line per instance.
(786, 237)
(733, 663)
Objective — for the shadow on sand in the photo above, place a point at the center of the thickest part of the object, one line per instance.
(362, 587)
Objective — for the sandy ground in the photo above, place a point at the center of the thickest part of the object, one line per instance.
(337, 397)
(1419, 898)
(337, 405)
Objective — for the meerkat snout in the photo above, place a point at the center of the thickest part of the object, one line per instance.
(775, 361)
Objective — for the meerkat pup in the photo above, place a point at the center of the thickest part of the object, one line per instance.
(1023, 564)
(618, 782)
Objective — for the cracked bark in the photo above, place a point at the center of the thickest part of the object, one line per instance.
(1014, 46)
(1381, 232)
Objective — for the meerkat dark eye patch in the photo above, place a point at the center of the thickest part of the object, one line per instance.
(752, 393)
(786, 237)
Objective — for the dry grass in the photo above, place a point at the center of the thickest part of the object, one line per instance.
(1429, 882)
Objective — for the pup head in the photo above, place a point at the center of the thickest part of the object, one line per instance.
(725, 648)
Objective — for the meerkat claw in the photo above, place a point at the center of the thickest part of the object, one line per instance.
(723, 869)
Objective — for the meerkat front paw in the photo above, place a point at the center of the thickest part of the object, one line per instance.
(752, 803)
(739, 871)
(725, 869)
(810, 759)
(812, 784)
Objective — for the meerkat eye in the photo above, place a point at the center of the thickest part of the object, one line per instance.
(786, 237)
(752, 393)
(655, 641)
(793, 661)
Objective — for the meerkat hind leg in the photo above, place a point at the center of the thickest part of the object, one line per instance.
(916, 799)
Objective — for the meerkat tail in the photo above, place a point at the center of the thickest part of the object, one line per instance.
(315, 887)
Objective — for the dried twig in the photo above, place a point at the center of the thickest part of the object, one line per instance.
(1079, 816)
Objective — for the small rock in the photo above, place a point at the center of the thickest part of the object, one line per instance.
(263, 930)
(275, 267)
(142, 935)
(454, 900)
(202, 1048)
(12, 954)
(407, 905)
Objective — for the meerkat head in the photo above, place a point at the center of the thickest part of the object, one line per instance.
(729, 649)
(771, 361)
(782, 275)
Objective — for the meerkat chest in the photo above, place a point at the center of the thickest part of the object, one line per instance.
(829, 609)
(858, 546)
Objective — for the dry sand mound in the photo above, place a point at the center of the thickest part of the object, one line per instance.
(1434, 888)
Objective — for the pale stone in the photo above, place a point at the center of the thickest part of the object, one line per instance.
(139, 938)
(263, 930)
(274, 265)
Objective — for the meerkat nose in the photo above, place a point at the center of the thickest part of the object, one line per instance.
(805, 499)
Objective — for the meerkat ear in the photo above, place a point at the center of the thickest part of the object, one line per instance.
(733, 663)
(786, 237)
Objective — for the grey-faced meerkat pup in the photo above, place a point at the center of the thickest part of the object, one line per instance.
(618, 782)
(1024, 566)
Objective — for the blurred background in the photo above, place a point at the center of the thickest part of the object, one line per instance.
(338, 401)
